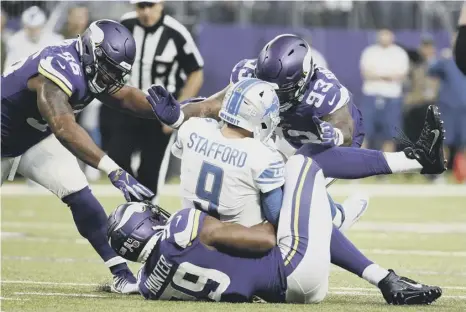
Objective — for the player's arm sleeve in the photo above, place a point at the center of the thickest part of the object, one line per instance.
(270, 176)
(61, 72)
(271, 204)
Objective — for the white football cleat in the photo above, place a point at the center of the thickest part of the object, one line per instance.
(354, 207)
(124, 285)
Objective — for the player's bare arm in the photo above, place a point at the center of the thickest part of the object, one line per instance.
(342, 120)
(231, 237)
(129, 100)
(53, 105)
(208, 108)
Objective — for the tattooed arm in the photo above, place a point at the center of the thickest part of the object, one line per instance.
(342, 120)
(54, 107)
(207, 108)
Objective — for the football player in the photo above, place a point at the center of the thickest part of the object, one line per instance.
(41, 139)
(234, 173)
(231, 171)
(193, 256)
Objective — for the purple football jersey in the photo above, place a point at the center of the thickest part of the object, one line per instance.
(22, 124)
(324, 95)
(180, 267)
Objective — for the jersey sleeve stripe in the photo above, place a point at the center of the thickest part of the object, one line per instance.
(344, 99)
(197, 214)
(269, 181)
(56, 77)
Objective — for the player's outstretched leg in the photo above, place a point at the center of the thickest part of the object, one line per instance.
(91, 222)
(395, 289)
(51, 165)
(424, 156)
(304, 231)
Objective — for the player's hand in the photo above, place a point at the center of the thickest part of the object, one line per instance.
(329, 135)
(131, 188)
(165, 106)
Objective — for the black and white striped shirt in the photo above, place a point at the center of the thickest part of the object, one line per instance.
(165, 53)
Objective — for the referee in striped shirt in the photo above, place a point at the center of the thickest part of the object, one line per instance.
(166, 55)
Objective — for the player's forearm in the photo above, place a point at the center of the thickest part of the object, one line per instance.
(210, 107)
(342, 120)
(130, 100)
(78, 142)
(235, 238)
(192, 86)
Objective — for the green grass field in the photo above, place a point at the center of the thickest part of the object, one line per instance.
(47, 266)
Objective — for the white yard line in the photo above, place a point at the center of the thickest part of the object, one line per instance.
(95, 284)
(14, 299)
(338, 293)
(58, 294)
(430, 253)
(398, 190)
(358, 293)
(50, 283)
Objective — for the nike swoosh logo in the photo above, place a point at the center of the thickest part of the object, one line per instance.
(436, 135)
(417, 286)
(37, 125)
(330, 103)
(62, 66)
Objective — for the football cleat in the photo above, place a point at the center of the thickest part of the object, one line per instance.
(354, 207)
(400, 290)
(428, 149)
(124, 284)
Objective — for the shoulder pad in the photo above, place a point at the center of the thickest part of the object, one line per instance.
(244, 69)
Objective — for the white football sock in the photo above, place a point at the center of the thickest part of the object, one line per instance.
(398, 162)
(374, 274)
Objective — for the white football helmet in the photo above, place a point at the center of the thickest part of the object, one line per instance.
(252, 104)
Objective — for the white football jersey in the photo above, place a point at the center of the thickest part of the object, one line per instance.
(224, 177)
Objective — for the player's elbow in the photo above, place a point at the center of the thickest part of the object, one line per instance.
(269, 242)
(63, 127)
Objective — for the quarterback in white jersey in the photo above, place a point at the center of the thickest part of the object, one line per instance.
(232, 170)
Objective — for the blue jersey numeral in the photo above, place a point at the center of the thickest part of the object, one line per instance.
(211, 192)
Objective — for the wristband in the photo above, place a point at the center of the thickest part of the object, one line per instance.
(107, 165)
(180, 120)
(340, 139)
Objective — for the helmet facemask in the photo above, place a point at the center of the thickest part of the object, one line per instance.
(108, 76)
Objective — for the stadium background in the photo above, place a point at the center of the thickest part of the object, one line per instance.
(412, 226)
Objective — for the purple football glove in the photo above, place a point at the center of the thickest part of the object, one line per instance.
(131, 188)
(329, 135)
(165, 106)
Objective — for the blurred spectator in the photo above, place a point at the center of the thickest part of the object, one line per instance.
(422, 89)
(167, 55)
(384, 66)
(77, 22)
(451, 99)
(31, 38)
(3, 39)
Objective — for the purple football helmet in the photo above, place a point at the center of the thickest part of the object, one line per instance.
(107, 52)
(286, 61)
(133, 227)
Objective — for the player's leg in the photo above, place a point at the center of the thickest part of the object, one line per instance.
(395, 289)
(51, 165)
(7, 164)
(304, 231)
